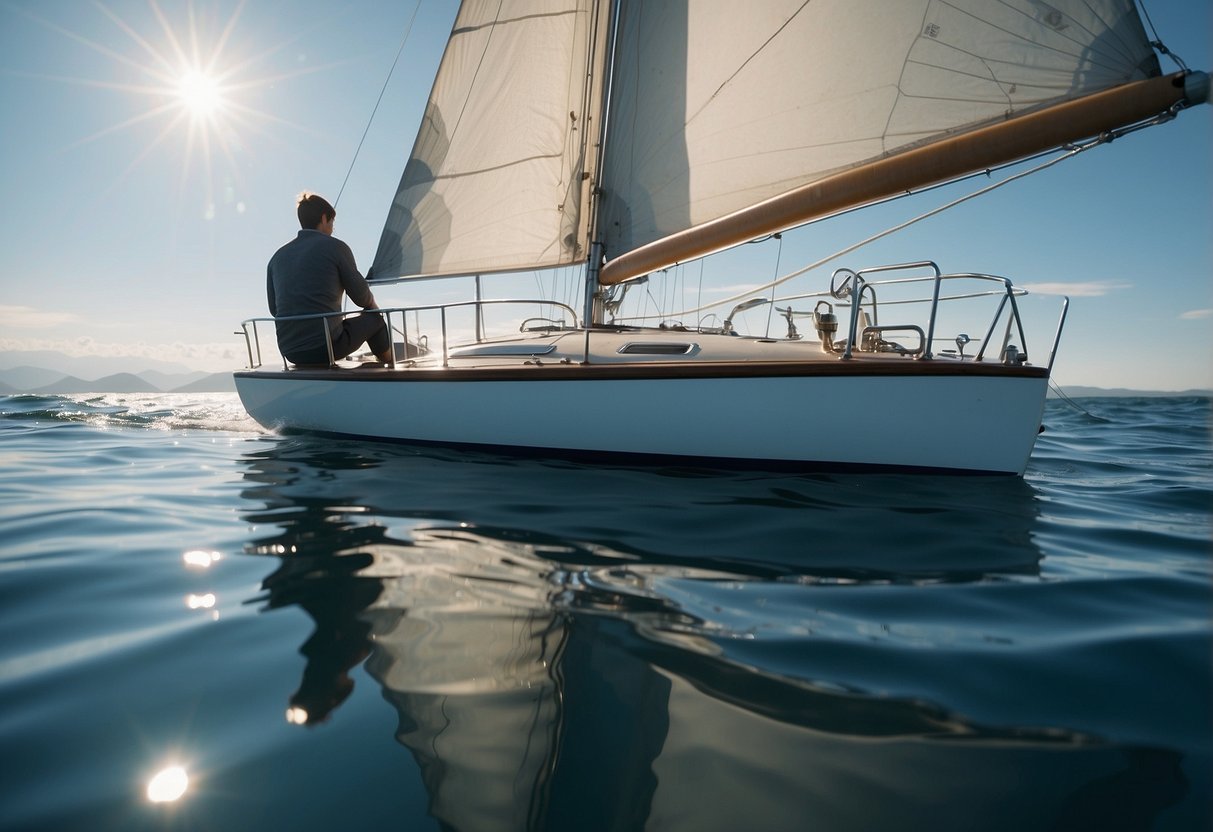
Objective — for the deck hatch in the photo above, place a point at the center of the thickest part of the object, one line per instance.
(643, 348)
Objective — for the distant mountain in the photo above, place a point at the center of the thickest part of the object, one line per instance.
(45, 371)
(170, 381)
(44, 381)
(116, 383)
(1075, 391)
(24, 379)
(213, 383)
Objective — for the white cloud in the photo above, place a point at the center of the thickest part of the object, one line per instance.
(1089, 289)
(1196, 314)
(26, 317)
(213, 357)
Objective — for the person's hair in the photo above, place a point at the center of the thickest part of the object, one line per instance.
(312, 208)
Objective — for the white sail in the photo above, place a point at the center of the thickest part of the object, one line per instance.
(718, 105)
(494, 179)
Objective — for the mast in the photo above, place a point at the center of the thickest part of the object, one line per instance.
(602, 49)
(1015, 138)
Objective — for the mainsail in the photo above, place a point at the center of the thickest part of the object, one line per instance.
(728, 120)
(758, 102)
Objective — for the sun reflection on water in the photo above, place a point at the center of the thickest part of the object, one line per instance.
(168, 785)
(200, 558)
(203, 601)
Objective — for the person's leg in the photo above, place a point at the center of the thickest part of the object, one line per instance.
(380, 340)
(368, 328)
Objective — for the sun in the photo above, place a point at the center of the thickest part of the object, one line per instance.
(199, 94)
(188, 70)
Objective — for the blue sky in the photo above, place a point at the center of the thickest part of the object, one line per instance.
(139, 223)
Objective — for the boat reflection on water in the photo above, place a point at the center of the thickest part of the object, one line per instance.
(550, 676)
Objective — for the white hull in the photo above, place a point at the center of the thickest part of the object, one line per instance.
(963, 422)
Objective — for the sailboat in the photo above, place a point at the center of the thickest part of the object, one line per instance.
(630, 136)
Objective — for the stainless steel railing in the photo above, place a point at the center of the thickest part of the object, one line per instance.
(857, 290)
(252, 339)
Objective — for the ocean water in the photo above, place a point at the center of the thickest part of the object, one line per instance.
(290, 632)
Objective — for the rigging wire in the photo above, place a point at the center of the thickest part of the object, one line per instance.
(1062, 395)
(1070, 152)
(699, 293)
(1157, 41)
(986, 173)
(407, 31)
(894, 229)
(648, 296)
(399, 51)
(778, 259)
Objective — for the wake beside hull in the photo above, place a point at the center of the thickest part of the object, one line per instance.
(981, 424)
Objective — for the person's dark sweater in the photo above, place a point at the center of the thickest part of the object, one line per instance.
(309, 275)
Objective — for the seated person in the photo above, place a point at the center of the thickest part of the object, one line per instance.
(310, 274)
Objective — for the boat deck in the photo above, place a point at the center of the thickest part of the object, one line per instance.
(651, 353)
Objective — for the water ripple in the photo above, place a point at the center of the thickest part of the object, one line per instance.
(178, 585)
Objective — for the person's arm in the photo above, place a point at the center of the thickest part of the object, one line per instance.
(269, 291)
(352, 281)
